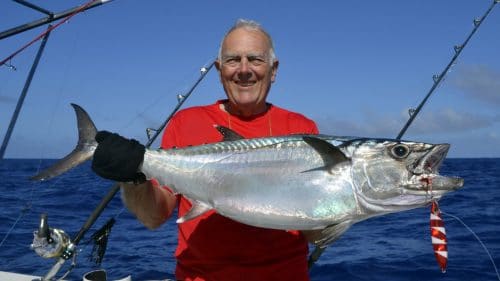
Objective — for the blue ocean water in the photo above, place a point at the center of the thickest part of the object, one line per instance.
(391, 247)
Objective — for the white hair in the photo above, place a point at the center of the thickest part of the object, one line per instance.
(252, 26)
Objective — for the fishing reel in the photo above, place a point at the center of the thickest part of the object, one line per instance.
(50, 242)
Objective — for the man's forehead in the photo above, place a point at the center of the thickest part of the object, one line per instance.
(243, 54)
(244, 38)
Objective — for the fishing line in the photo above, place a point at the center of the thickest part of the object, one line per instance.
(100, 237)
(439, 78)
(315, 255)
(24, 211)
(478, 239)
(155, 102)
(66, 19)
(70, 249)
(26, 208)
(180, 99)
(28, 205)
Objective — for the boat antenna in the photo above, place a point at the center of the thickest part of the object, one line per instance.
(315, 255)
(71, 248)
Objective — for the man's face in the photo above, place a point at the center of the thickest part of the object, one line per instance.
(246, 71)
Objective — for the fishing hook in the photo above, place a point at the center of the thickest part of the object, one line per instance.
(438, 78)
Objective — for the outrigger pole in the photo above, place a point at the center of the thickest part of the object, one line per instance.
(315, 255)
(50, 17)
(44, 36)
(20, 101)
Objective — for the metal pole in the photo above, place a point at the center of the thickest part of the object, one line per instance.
(34, 7)
(116, 187)
(23, 94)
(49, 19)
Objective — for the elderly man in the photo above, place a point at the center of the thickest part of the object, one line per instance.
(212, 247)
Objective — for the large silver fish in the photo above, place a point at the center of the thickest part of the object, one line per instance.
(295, 182)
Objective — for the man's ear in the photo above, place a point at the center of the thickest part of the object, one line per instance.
(217, 64)
(274, 70)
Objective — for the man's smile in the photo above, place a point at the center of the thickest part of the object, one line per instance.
(245, 83)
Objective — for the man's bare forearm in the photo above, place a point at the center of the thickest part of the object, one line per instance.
(152, 205)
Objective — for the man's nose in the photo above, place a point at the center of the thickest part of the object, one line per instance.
(244, 72)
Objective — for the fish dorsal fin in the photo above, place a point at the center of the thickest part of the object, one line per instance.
(331, 154)
(228, 134)
(198, 208)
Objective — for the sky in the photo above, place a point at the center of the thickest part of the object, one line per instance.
(355, 67)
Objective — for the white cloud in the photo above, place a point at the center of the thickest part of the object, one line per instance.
(7, 100)
(478, 82)
(379, 125)
(451, 121)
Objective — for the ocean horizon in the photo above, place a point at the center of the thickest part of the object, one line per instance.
(391, 247)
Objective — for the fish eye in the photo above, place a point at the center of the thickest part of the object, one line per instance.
(400, 151)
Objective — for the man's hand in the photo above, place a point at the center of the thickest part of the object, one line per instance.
(118, 158)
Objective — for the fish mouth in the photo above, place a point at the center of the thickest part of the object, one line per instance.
(432, 160)
(425, 179)
(432, 184)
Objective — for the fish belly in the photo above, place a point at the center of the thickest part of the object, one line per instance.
(265, 188)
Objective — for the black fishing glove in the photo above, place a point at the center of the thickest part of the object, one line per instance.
(117, 158)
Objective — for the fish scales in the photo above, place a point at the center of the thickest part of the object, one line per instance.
(258, 176)
(299, 182)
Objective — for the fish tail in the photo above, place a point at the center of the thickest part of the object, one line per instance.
(82, 152)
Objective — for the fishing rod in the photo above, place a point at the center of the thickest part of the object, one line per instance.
(315, 255)
(70, 247)
(438, 78)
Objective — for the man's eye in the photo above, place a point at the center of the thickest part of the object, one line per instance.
(256, 60)
(231, 61)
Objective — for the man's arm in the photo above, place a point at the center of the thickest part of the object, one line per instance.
(118, 158)
(151, 204)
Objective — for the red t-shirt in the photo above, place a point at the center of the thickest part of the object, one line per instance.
(212, 247)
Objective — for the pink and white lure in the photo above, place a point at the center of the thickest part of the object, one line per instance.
(438, 236)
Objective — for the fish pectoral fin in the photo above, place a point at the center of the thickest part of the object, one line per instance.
(328, 235)
(198, 208)
(228, 134)
(330, 154)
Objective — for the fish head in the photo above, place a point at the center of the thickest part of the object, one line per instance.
(393, 175)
